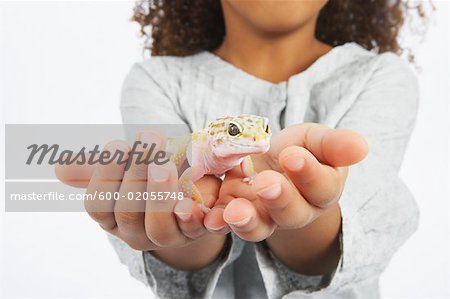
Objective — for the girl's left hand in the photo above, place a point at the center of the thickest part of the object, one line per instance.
(300, 177)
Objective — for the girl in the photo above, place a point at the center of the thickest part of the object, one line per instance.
(306, 227)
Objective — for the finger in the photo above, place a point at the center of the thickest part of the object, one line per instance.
(190, 219)
(229, 189)
(209, 187)
(335, 147)
(215, 223)
(104, 184)
(282, 200)
(160, 223)
(74, 174)
(79, 175)
(129, 209)
(233, 187)
(244, 219)
(320, 184)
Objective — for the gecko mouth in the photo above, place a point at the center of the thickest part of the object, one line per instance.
(241, 150)
(248, 146)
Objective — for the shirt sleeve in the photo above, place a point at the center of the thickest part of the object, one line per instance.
(147, 98)
(280, 280)
(378, 211)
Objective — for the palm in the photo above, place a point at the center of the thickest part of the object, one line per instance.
(306, 163)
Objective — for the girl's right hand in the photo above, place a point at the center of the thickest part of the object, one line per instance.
(146, 225)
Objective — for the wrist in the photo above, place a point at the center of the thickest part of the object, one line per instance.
(194, 256)
(313, 249)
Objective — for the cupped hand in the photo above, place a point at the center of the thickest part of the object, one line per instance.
(300, 178)
(143, 224)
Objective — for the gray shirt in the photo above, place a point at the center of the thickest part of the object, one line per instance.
(349, 87)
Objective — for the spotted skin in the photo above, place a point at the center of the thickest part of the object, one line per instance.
(225, 143)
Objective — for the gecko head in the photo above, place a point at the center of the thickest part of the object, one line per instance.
(239, 136)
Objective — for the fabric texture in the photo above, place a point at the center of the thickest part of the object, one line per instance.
(349, 87)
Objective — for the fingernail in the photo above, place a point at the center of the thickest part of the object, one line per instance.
(149, 138)
(242, 222)
(271, 192)
(295, 163)
(183, 216)
(158, 173)
(221, 229)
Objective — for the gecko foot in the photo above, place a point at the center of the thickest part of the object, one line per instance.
(248, 180)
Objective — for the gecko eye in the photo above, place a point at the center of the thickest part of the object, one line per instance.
(267, 129)
(233, 130)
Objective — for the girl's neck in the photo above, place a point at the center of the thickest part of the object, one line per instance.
(273, 57)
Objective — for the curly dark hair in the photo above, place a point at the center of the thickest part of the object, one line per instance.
(185, 27)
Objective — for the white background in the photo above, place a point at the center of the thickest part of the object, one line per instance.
(65, 63)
